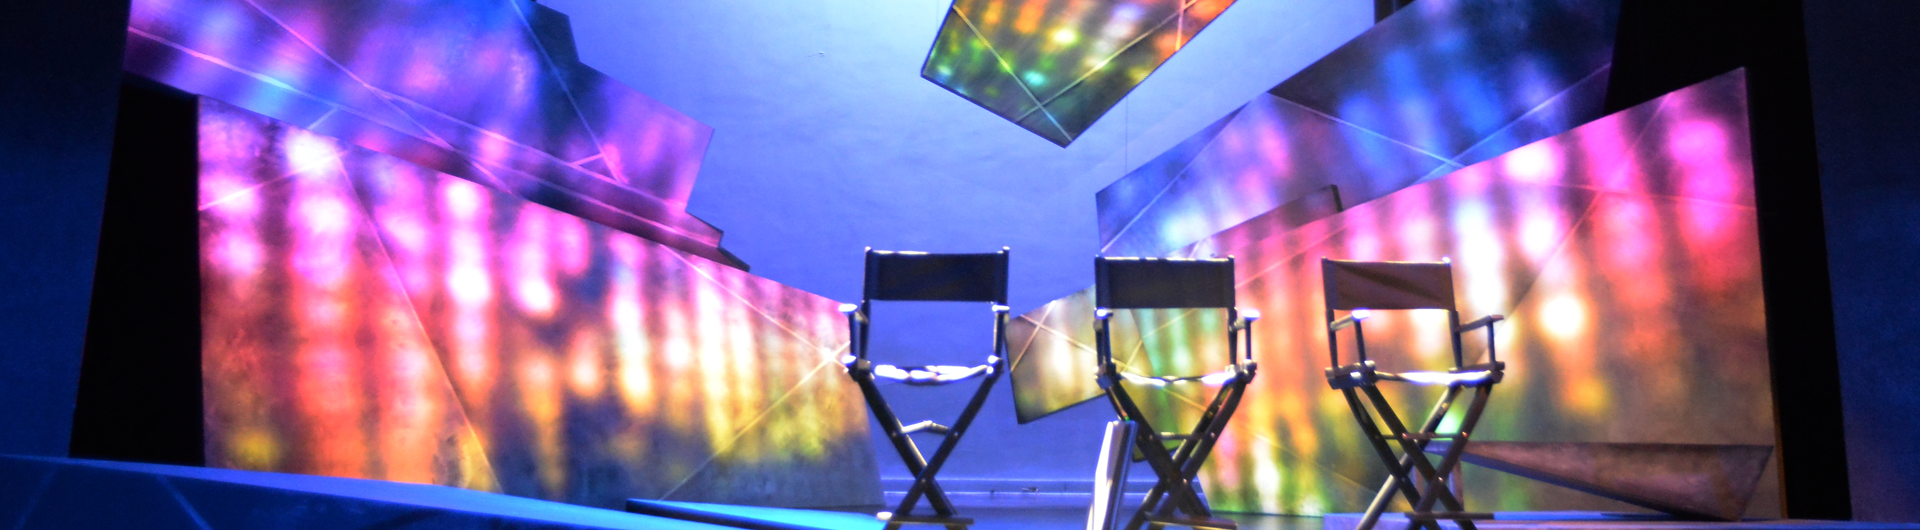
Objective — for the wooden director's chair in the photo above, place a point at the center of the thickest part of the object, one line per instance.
(1357, 289)
(1155, 283)
(919, 276)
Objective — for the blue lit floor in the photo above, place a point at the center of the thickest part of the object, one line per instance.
(1062, 518)
(1614, 521)
(985, 518)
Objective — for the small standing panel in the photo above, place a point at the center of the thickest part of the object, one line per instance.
(1110, 475)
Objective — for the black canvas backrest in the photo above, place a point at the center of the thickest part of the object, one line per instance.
(1387, 284)
(1148, 283)
(919, 276)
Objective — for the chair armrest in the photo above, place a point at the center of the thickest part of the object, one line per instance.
(852, 311)
(1480, 323)
(1352, 318)
(1247, 316)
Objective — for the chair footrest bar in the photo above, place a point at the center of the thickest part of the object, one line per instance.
(1174, 436)
(1222, 524)
(1434, 516)
(1432, 436)
(928, 426)
(926, 519)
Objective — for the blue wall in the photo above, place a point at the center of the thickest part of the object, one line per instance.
(1867, 122)
(827, 140)
(59, 85)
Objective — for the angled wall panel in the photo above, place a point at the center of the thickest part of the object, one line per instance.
(366, 317)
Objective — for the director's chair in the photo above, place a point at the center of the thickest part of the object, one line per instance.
(1155, 283)
(1358, 289)
(919, 276)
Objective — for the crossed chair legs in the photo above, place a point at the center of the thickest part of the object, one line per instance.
(1412, 460)
(923, 469)
(1174, 491)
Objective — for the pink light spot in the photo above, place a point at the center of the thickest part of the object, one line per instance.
(536, 297)
(1539, 232)
(239, 254)
(463, 201)
(1565, 317)
(307, 151)
(470, 286)
(574, 252)
(1538, 162)
(323, 216)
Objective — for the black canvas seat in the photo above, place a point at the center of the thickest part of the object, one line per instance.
(1154, 283)
(1214, 379)
(1354, 291)
(919, 276)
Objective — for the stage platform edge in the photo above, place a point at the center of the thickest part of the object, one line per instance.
(1573, 520)
(755, 517)
(77, 494)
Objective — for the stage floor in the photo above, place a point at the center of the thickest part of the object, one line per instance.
(1059, 518)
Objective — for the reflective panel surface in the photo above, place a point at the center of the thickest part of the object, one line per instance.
(1624, 254)
(1438, 86)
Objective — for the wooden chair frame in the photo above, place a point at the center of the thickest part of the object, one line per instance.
(1155, 283)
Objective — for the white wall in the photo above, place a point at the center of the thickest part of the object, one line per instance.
(827, 140)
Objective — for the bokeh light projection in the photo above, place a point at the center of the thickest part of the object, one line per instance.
(366, 317)
(487, 90)
(1624, 253)
(1055, 66)
(1440, 85)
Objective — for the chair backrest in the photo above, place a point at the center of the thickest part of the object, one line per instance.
(1387, 285)
(920, 276)
(1162, 283)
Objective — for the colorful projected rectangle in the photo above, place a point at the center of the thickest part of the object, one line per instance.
(1624, 253)
(1053, 67)
(366, 317)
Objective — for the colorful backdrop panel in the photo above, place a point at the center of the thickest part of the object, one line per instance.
(402, 79)
(1624, 254)
(1436, 87)
(367, 317)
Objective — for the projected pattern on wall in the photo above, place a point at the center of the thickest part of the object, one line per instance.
(1624, 254)
(487, 90)
(365, 317)
(1055, 66)
(1438, 86)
